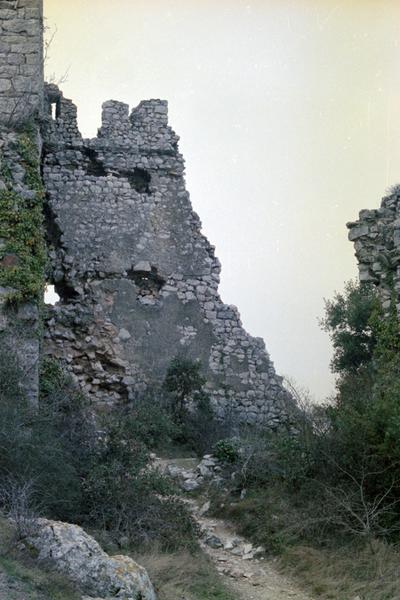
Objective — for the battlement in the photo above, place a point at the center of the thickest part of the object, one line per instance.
(21, 59)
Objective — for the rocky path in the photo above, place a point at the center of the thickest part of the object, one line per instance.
(247, 570)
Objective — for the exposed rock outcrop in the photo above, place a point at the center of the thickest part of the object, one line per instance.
(72, 552)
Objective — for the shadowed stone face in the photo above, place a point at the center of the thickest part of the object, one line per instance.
(138, 280)
(376, 237)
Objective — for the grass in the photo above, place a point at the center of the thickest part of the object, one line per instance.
(185, 575)
(346, 572)
(37, 583)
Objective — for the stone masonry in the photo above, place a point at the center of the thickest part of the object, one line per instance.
(376, 237)
(137, 279)
(21, 95)
(21, 59)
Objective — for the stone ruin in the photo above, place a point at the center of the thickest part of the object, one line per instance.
(21, 98)
(137, 280)
(376, 237)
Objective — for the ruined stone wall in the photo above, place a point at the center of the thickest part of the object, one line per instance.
(376, 237)
(21, 59)
(137, 279)
(22, 250)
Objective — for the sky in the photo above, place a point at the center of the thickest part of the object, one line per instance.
(288, 113)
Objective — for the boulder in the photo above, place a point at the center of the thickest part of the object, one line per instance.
(214, 542)
(189, 485)
(69, 550)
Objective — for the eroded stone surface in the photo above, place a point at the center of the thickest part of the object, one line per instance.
(71, 551)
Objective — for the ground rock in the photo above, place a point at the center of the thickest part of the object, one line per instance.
(72, 552)
(189, 485)
(214, 542)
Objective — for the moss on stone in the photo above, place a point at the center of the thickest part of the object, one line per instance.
(23, 248)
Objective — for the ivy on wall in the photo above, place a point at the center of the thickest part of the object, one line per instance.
(22, 243)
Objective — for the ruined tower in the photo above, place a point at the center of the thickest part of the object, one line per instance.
(137, 279)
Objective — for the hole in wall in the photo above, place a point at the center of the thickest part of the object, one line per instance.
(53, 107)
(140, 180)
(50, 295)
(94, 165)
(149, 283)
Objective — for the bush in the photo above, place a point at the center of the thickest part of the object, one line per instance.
(127, 497)
(227, 450)
(79, 474)
(340, 471)
(149, 421)
(183, 380)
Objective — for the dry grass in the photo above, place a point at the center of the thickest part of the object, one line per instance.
(348, 572)
(184, 576)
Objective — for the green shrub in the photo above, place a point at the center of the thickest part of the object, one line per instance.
(78, 473)
(227, 450)
(183, 380)
(149, 421)
(21, 225)
(340, 470)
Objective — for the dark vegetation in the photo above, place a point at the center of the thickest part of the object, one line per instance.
(23, 252)
(58, 462)
(332, 489)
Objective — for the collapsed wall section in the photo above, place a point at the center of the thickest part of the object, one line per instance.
(376, 237)
(138, 281)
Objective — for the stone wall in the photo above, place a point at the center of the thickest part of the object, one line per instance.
(22, 252)
(21, 59)
(138, 281)
(376, 237)
(21, 257)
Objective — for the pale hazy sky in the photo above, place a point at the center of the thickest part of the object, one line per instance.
(289, 117)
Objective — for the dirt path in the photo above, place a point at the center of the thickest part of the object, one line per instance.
(246, 569)
(252, 575)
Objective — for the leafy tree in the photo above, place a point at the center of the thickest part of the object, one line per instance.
(183, 380)
(351, 326)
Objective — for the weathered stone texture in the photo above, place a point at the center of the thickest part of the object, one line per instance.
(69, 550)
(376, 237)
(21, 59)
(138, 280)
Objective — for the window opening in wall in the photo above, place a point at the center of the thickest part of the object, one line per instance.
(54, 110)
(140, 180)
(50, 295)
